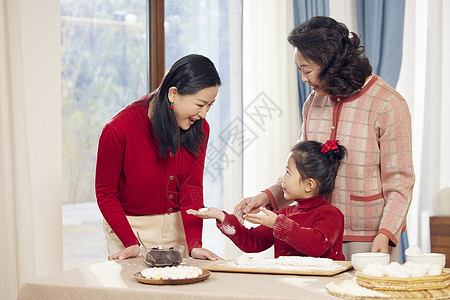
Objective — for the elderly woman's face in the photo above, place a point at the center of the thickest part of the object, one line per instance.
(309, 72)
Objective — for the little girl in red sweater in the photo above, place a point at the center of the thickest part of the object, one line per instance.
(310, 227)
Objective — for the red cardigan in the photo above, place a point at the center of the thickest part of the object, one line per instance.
(132, 179)
(311, 227)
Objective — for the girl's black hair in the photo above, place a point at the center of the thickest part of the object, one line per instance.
(189, 75)
(322, 167)
(326, 42)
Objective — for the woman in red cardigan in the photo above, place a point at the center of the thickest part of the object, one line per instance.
(311, 227)
(150, 163)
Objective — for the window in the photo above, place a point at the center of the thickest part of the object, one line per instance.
(213, 28)
(105, 63)
(104, 66)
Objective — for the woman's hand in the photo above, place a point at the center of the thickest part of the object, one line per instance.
(250, 205)
(202, 253)
(380, 243)
(131, 251)
(267, 219)
(211, 213)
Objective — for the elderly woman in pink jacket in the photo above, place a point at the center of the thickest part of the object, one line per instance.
(372, 120)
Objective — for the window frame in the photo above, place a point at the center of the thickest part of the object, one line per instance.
(156, 67)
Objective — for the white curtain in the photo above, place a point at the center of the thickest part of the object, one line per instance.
(270, 97)
(424, 76)
(30, 143)
(271, 120)
(423, 80)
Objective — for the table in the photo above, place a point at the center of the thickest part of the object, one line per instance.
(114, 280)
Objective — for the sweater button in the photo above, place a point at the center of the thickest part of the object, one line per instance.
(171, 154)
(338, 99)
(170, 196)
(170, 209)
(333, 128)
(171, 177)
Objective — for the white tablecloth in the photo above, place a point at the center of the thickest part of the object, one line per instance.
(114, 280)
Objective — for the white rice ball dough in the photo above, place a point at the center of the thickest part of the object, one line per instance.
(178, 272)
(292, 261)
(414, 250)
(408, 270)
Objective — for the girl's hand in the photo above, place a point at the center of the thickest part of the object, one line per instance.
(202, 253)
(211, 213)
(128, 252)
(267, 219)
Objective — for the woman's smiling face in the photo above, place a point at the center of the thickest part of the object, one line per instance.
(309, 72)
(190, 108)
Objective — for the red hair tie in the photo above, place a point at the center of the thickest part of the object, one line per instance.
(329, 145)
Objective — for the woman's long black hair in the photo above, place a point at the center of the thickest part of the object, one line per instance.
(326, 42)
(189, 75)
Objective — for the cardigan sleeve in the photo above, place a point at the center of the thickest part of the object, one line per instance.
(396, 164)
(313, 241)
(251, 240)
(109, 165)
(191, 194)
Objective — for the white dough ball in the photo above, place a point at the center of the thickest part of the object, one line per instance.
(371, 271)
(418, 272)
(426, 266)
(435, 270)
(394, 264)
(242, 260)
(414, 250)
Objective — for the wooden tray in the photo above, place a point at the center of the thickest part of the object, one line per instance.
(226, 266)
(404, 284)
(138, 276)
(349, 289)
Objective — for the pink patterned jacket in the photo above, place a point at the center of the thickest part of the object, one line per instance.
(375, 181)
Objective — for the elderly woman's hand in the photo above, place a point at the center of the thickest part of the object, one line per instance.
(250, 205)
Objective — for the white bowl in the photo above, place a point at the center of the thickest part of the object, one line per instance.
(361, 260)
(431, 258)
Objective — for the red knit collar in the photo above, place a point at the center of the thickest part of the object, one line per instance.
(310, 202)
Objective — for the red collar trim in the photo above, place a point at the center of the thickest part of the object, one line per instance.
(310, 202)
(359, 93)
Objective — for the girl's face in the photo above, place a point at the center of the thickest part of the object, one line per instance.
(294, 187)
(309, 72)
(191, 108)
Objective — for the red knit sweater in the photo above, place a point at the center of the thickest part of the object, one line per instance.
(311, 227)
(132, 179)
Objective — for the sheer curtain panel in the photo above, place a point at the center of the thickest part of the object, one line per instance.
(423, 79)
(271, 120)
(30, 164)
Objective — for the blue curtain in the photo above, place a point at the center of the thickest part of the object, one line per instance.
(303, 10)
(380, 25)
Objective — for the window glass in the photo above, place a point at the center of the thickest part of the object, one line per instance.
(213, 28)
(104, 67)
